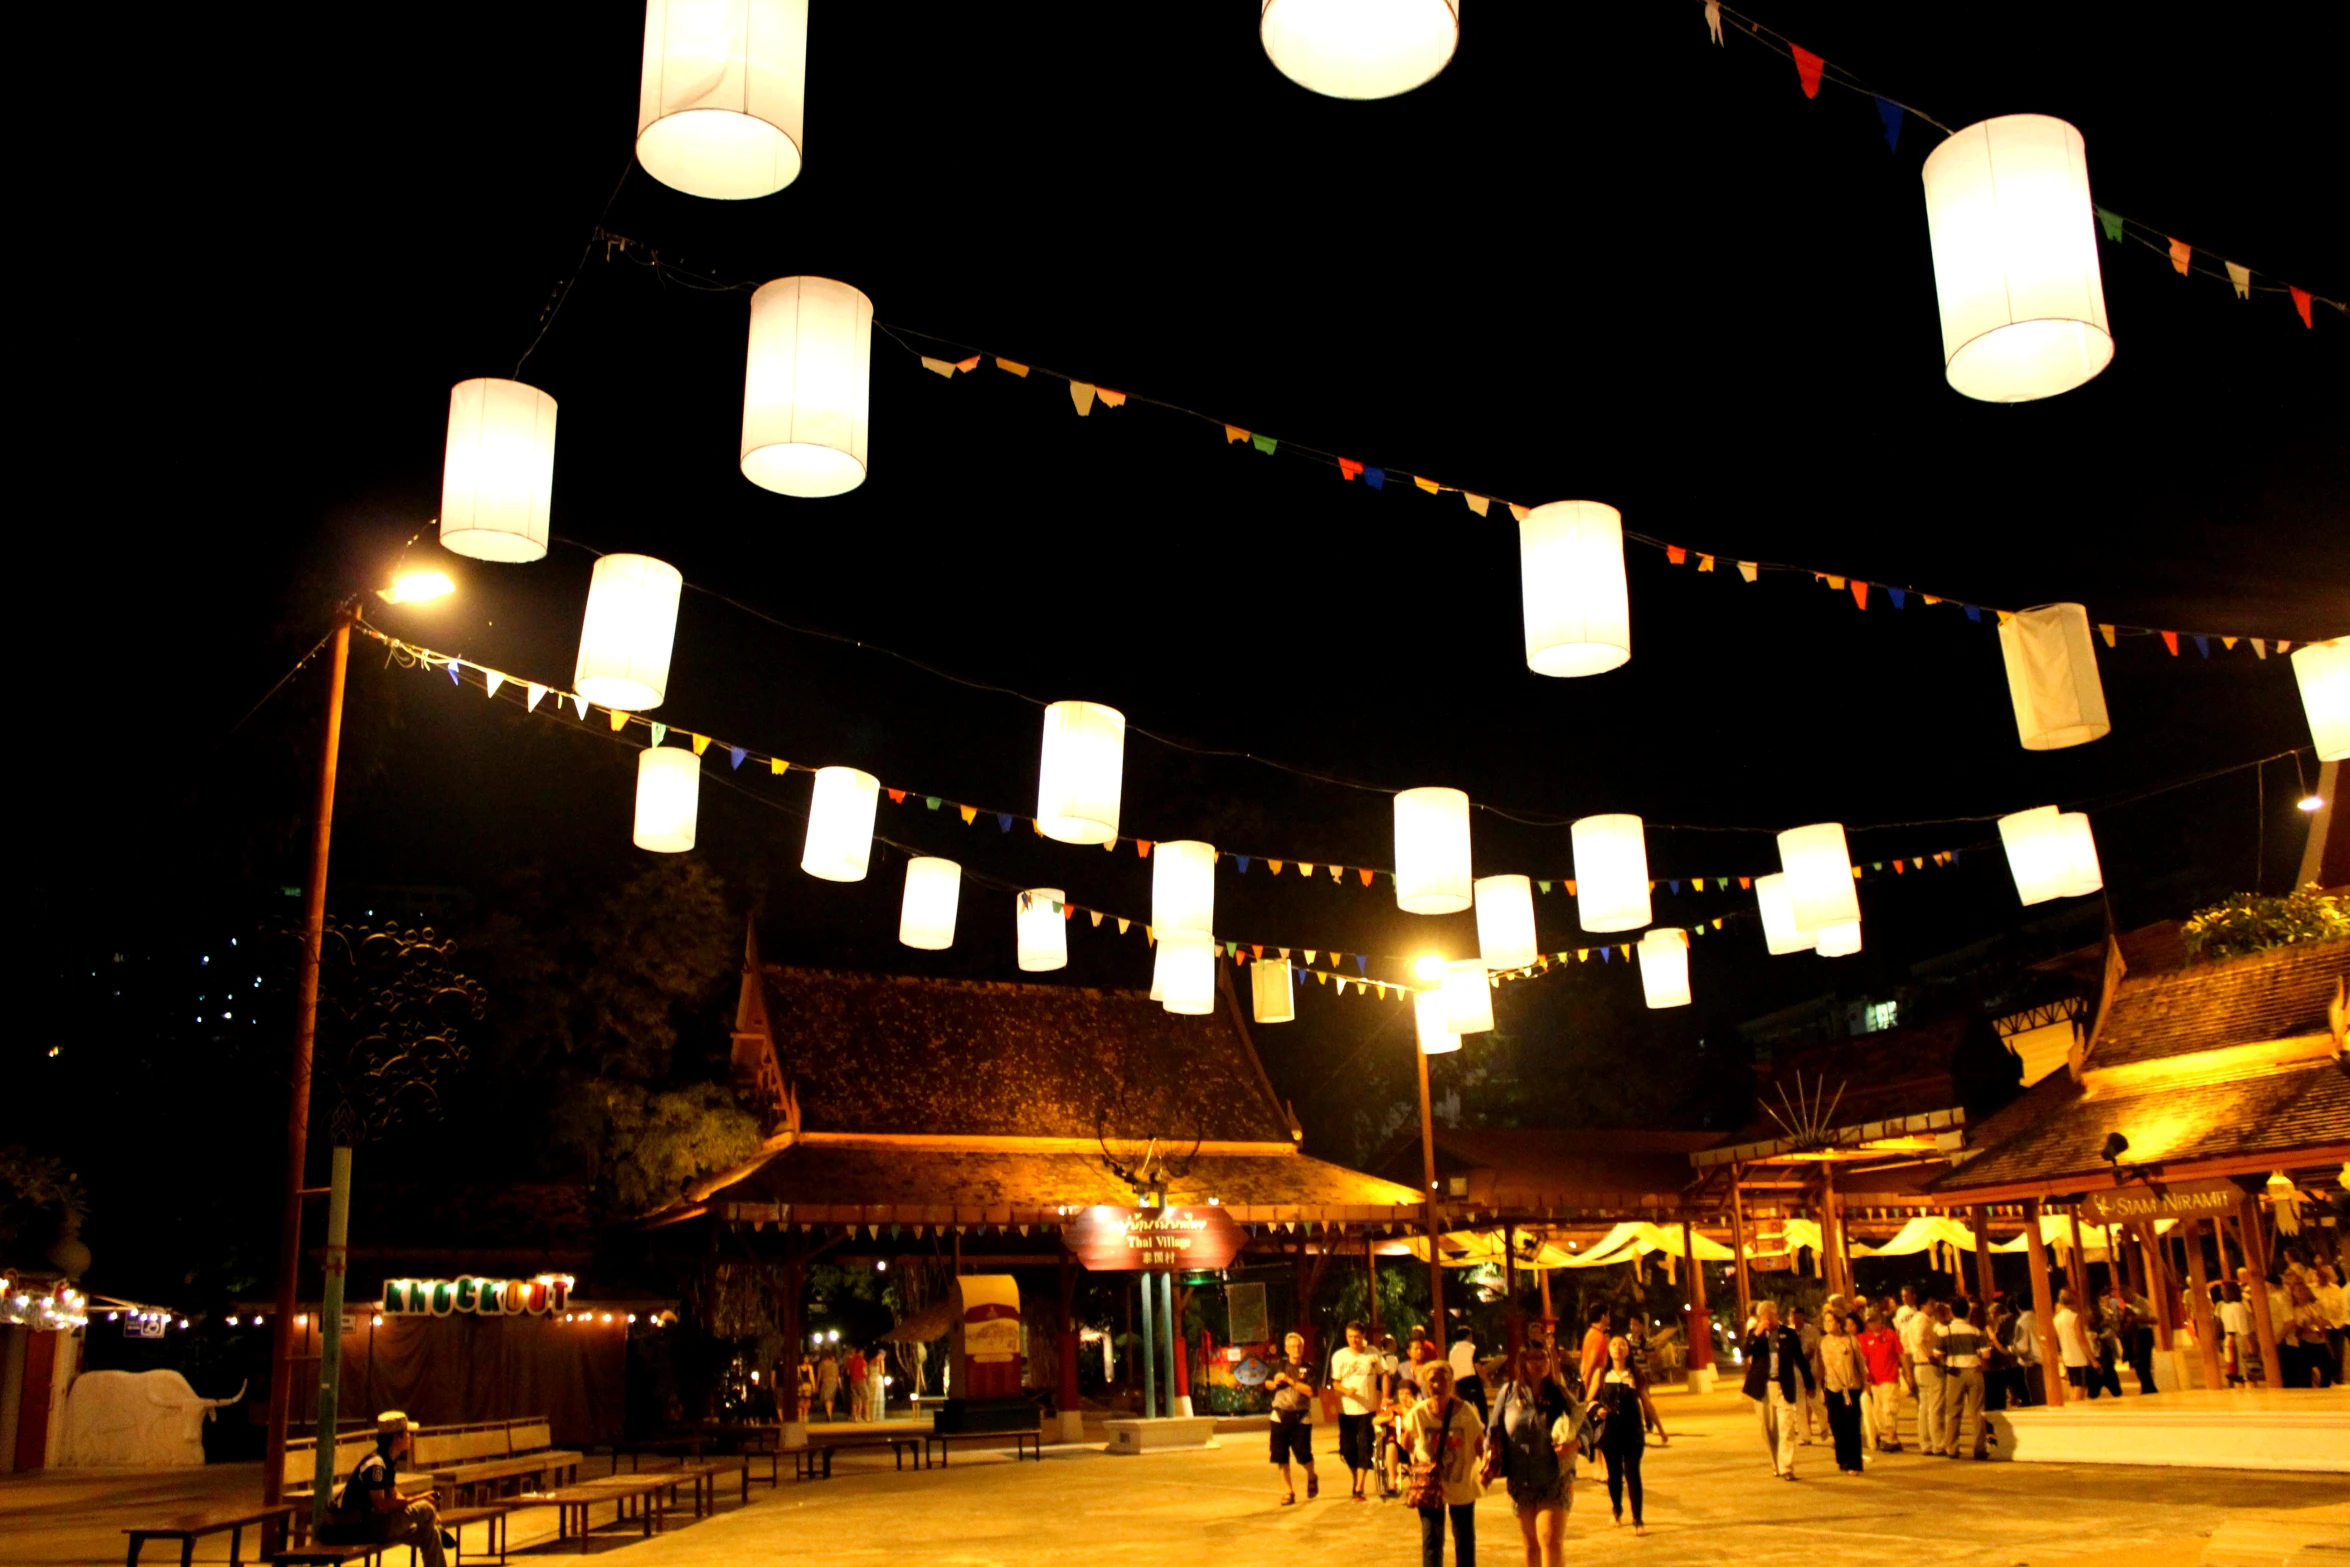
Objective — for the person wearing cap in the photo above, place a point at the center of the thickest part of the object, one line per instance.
(368, 1508)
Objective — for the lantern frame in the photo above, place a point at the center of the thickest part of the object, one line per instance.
(1818, 866)
(1572, 589)
(1272, 991)
(1183, 886)
(1664, 968)
(498, 471)
(1432, 851)
(668, 799)
(1506, 938)
(1041, 929)
(1080, 772)
(841, 806)
(628, 632)
(808, 387)
(928, 907)
(1611, 872)
(1186, 969)
(2052, 678)
(735, 128)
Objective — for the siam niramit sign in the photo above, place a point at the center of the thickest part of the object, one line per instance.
(1110, 1240)
(2187, 1200)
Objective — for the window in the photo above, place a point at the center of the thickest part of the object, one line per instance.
(1872, 1017)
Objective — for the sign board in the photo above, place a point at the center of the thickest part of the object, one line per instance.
(1110, 1240)
(142, 1324)
(480, 1297)
(2186, 1200)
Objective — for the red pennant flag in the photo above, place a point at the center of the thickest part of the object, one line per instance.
(1142, 848)
(1676, 554)
(1365, 873)
(1898, 868)
(2170, 639)
(1860, 593)
(2180, 253)
(2301, 303)
(1807, 68)
(1348, 468)
(897, 796)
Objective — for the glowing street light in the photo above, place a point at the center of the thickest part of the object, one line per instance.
(419, 586)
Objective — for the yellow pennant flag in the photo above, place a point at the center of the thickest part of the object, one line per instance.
(1337, 872)
(1125, 925)
(945, 367)
(1309, 957)
(1150, 937)
(1430, 485)
(1477, 503)
(2259, 648)
(2228, 643)
(1747, 569)
(701, 744)
(1305, 870)
(777, 766)
(1837, 583)
(971, 814)
(1705, 563)
(1097, 918)
(619, 720)
(1081, 394)
(1005, 364)
(1321, 977)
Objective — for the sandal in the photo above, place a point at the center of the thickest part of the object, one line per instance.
(1313, 1486)
(1290, 1500)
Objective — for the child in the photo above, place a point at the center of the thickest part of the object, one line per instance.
(1395, 1454)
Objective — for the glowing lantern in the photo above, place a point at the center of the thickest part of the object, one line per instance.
(2082, 874)
(1359, 48)
(1571, 578)
(840, 824)
(1183, 887)
(723, 96)
(2035, 854)
(497, 470)
(1664, 968)
(668, 799)
(1819, 878)
(934, 888)
(625, 637)
(2015, 259)
(1084, 766)
(1272, 991)
(1187, 972)
(1432, 851)
(1839, 941)
(1468, 997)
(1433, 1013)
(1611, 872)
(2052, 677)
(1042, 930)
(2323, 670)
(1505, 921)
(807, 387)
(1778, 916)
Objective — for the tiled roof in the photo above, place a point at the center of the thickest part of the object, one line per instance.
(1519, 1167)
(2270, 995)
(1870, 1077)
(880, 1053)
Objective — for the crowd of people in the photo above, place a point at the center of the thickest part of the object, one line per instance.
(862, 1375)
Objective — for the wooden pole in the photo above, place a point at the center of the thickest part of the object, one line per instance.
(1371, 1282)
(2199, 1304)
(1514, 1320)
(1983, 1280)
(2044, 1308)
(1701, 1332)
(2076, 1266)
(1832, 1233)
(1738, 1255)
(1428, 1196)
(1066, 1403)
(2256, 1259)
(2159, 1290)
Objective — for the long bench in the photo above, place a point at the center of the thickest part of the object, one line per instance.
(1024, 1443)
(188, 1528)
(496, 1457)
(814, 1461)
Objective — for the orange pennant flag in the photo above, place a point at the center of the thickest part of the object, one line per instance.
(1571, 890)
(1430, 485)
(1929, 598)
(967, 365)
(1233, 432)
(1836, 583)
(2180, 253)
(1675, 554)
(2229, 643)
(1109, 398)
(2106, 632)
(970, 813)
(1860, 593)
(1705, 563)
(701, 744)
(1477, 503)
(1518, 511)
(1081, 393)
(1745, 883)
(2300, 297)
(1006, 364)
(1349, 469)
(896, 796)
(1365, 873)
(1276, 864)
(1142, 848)
(2170, 639)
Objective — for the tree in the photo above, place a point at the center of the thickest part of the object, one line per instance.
(390, 1006)
(649, 1144)
(2247, 923)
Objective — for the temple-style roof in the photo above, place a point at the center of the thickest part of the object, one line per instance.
(1532, 1171)
(2281, 994)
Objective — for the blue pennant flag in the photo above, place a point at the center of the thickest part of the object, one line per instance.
(1899, 598)
(1003, 823)
(1890, 113)
(1243, 859)
(1376, 478)
(1676, 886)
(1362, 963)
(735, 754)
(1607, 954)
(453, 680)
(1974, 614)
(2202, 643)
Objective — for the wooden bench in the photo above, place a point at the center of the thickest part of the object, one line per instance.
(706, 1475)
(317, 1555)
(573, 1501)
(188, 1528)
(493, 1520)
(814, 1462)
(1023, 1443)
(496, 1456)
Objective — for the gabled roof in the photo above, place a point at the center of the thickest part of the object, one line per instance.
(1544, 1169)
(2271, 995)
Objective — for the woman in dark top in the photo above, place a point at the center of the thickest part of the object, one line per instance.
(1623, 1440)
(1533, 1427)
(1293, 1395)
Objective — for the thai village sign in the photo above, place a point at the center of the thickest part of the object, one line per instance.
(1109, 1240)
(2187, 1200)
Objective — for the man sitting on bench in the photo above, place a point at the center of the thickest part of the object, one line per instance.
(368, 1508)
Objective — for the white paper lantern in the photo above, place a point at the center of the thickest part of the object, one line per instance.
(1839, 941)
(1183, 886)
(1468, 997)
(1082, 772)
(2323, 671)
(1273, 991)
(1432, 1012)
(723, 95)
(934, 889)
(807, 387)
(1611, 872)
(1432, 851)
(1778, 916)
(1505, 922)
(2052, 677)
(1359, 48)
(498, 470)
(1187, 972)
(668, 798)
(2082, 874)
(1819, 877)
(1571, 580)
(2014, 236)
(1664, 968)
(1042, 929)
(2035, 854)
(840, 824)
(626, 635)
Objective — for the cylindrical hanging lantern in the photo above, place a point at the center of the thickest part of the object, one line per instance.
(1183, 887)
(1359, 48)
(1432, 851)
(1839, 941)
(1433, 1013)
(1082, 772)
(498, 470)
(626, 635)
(2052, 677)
(1571, 578)
(840, 824)
(1819, 877)
(934, 888)
(1042, 929)
(1611, 872)
(2323, 670)
(2015, 259)
(1468, 997)
(1505, 922)
(1272, 991)
(1778, 916)
(1664, 968)
(2082, 874)
(723, 96)
(1187, 971)
(2035, 853)
(807, 387)
(668, 798)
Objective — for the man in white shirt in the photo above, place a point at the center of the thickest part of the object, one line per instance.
(1916, 1347)
(1903, 1315)
(1356, 1371)
(2072, 1342)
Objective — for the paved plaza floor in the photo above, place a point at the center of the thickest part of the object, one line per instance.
(1711, 1499)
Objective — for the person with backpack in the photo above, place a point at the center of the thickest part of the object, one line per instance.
(1446, 1442)
(368, 1508)
(1531, 1447)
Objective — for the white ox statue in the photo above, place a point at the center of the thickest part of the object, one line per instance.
(136, 1420)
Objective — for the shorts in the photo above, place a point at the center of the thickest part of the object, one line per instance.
(1529, 1498)
(1292, 1439)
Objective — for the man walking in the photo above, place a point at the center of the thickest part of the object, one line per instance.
(1357, 1372)
(1778, 1376)
(1813, 1419)
(1917, 1343)
(1959, 1346)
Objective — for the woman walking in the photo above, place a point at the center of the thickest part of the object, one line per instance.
(877, 1383)
(1843, 1376)
(805, 1386)
(827, 1381)
(1533, 1437)
(1623, 1440)
(1446, 1440)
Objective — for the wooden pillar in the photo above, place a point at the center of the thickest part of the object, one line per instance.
(1836, 1270)
(1738, 1254)
(2256, 1259)
(2155, 1269)
(2044, 1308)
(1983, 1280)
(1550, 1316)
(2076, 1266)
(2199, 1304)
(1513, 1320)
(1067, 1403)
(1371, 1281)
(1428, 1197)
(1700, 1329)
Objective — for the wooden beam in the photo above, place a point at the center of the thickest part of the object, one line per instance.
(2044, 1309)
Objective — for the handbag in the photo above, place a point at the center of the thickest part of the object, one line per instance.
(1495, 1462)
(1424, 1492)
(1592, 1428)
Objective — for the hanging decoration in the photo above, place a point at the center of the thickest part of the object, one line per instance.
(1432, 1014)
(724, 90)
(1186, 970)
(1082, 772)
(840, 824)
(2322, 670)
(1042, 928)
(1838, 941)
(1183, 887)
(1611, 872)
(2035, 855)
(934, 891)
(807, 387)
(668, 799)
(1272, 991)
(2082, 873)
(1468, 997)
(1781, 935)
(1432, 851)
(1359, 48)
(2052, 677)
(498, 471)
(1664, 969)
(1571, 578)
(1505, 922)
(1819, 880)
(626, 636)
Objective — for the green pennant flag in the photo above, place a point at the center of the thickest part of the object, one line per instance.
(1263, 443)
(660, 733)
(2111, 222)
(930, 800)
(1722, 883)
(1545, 886)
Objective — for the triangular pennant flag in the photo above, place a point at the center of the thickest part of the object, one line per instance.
(494, 680)
(1545, 886)
(1376, 478)
(2259, 648)
(1142, 848)
(618, 718)
(2241, 277)
(1807, 69)
(1899, 868)
(930, 802)
(1518, 511)
(2300, 297)
(1860, 593)
(2180, 254)
(1274, 866)
(1606, 954)
(896, 796)
(2111, 222)
(1263, 443)
(1713, 20)
(1929, 598)
(1362, 963)
(734, 755)
(1233, 432)
(1365, 874)
(777, 766)
(945, 367)
(2170, 639)
(1889, 114)
(1721, 883)
(701, 744)
(1900, 599)
(1676, 555)
(1337, 872)
(1150, 937)
(534, 694)
(1430, 485)
(1003, 821)
(660, 733)
(1478, 503)
(2228, 643)
(1232, 950)
(970, 813)
(1109, 846)
(1571, 889)
(1305, 870)
(455, 664)
(1309, 957)
(1005, 364)
(2106, 632)
(1676, 886)
(967, 365)
(1747, 569)
(1124, 926)
(1109, 398)
(1068, 910)
(1081, 393)
(1835, 584)
(1705, 563)
(1242, 860)
(2202, 643)
(1974, 614)
(1096, 916)
(2283, 647)
(580, 702)
(1349, 469)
